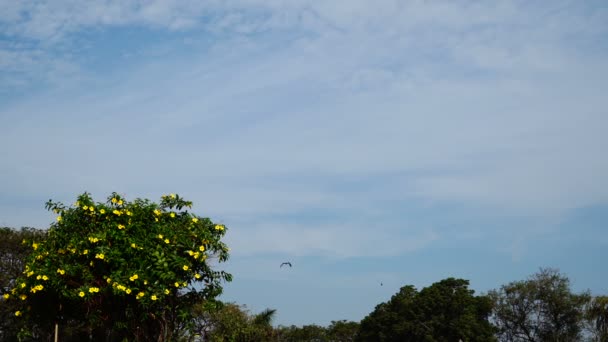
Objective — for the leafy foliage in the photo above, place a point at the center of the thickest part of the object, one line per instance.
(13, 254)
(542, 308)
(445, 311)
(121, 269)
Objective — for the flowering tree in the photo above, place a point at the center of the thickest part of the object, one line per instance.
(121, 269)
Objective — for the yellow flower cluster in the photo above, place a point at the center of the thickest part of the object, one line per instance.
(43, 277)
(93, 239)
(99, 256)
(116, 201)
(60, 271)
(120, 226)
(139, 295)
(117, 212)
(35, 246)
(36, 288)
(219, 227)
(156, 212)
(133, 277)
(93, 289)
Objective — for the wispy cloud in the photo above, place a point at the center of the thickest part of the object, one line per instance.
(263, 112)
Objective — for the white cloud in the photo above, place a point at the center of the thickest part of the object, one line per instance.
(461, 104)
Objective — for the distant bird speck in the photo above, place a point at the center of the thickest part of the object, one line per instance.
(286, 263)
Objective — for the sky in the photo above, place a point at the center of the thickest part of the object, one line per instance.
(367, 142)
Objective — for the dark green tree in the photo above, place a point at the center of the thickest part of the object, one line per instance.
(541, 308)
(306, 333)
(342, 331)
(446, 311)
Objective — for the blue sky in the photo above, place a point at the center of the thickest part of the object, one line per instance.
(389, 141)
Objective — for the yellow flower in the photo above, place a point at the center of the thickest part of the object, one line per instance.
(153, 297)
(39, 287)
(194, 219)
(172, 196)
(119, 202)
(190, 253)
(109, 280)
(85, 207)
(58, 218)
(81, 294)
(23, 297)
(156, 212)
(120, 226)
(160, 236)
(99, 256)
(132, 278)
(139, 295)
(102, 211)
(196, 255)
(17, 313)
(45, 278)
(167, 291)
(133, 245)
(129, 213)
(30, 273)
(22, 285)
(114, 200)
(185, 268)
(167, 241)
(116, 212)
(156, 219)
(91, 263)
(172, 214)
(38, 277)
(121, 287)
(85, 252)
(91, 209)
(184, 284)
(35, 246)
(197, 276)
(128, 291)
(176, 284)
(6, 296)
(201, 248)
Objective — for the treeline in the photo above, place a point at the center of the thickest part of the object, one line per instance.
(542, 307)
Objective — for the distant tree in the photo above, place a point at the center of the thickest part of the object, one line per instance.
(445, 311)
(120, 269)
(596, 317)
(306, 333)
(342, 331)
(541, 308)
(233, 322)
(13, 255)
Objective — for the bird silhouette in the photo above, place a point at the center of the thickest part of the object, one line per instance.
(286, 263)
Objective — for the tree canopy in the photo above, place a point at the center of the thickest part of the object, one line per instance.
(445, 311)
(541, 308)
(122, 270)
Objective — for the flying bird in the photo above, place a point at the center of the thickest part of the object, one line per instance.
(286, 263)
